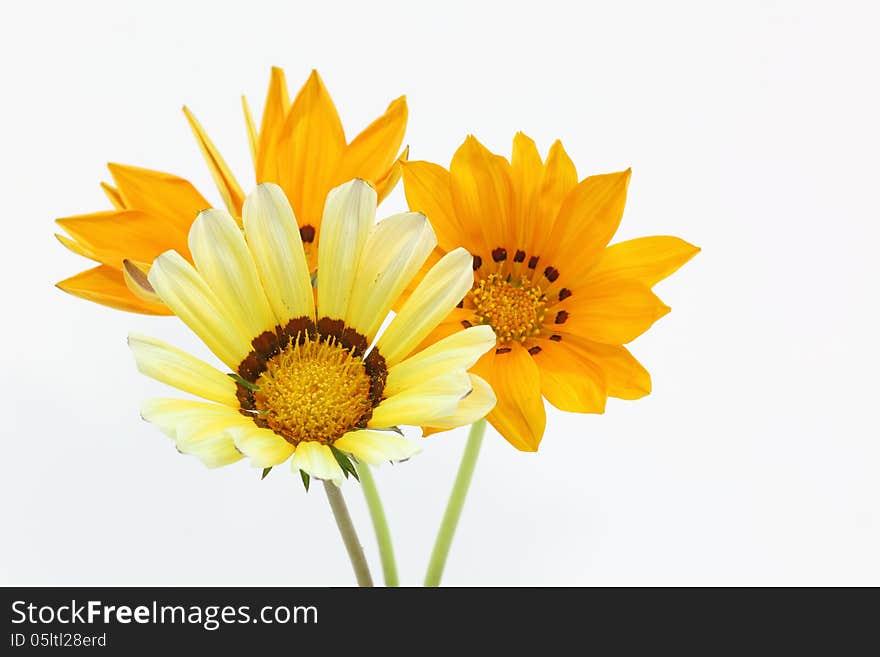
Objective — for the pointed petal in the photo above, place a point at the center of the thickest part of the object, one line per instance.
(395, 250)
(614, 312)
(159, 194)
(263, 447)
(225, 263)
(569, 380)
(429, 191)
(646, 260)
(274, 241)
(136, 279)
(372, 153)
(458, 351)
(526, 170)
(519, 414)
(387, 183)
(310, 147)
(105, 285)
(558, 179)
(179, 369)
(317, 461)
(377, 447)
(435, 297)
(185, 292)
(625, 377)
(226, 183)
(348, 218)
(253, 139)
(274, 115)
(114, 196)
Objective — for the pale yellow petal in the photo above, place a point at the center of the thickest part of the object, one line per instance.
(395, 250)
(475, 406)
(317, 461)
(263, 447)
(377, 447)
(419, 405)
(225, 263)
(274, 240)
(179, 369)
(136, 279)
(437, 294)
(458, 351)
(349, 215)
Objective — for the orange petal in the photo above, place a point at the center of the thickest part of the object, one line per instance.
(569, 380)
(482, 194)
(161, 194)
(105, 285)
(526, 170)
(519, 415)
(587, 220)
(616, 312)
(625, 377)
(310, 147)
(114, 196)
(373, 152)
(112, 236)
(558, 178)
(386, 184)
(253, 139)
(226, 183)
(275, 113)
(646, 260)
(429, 190)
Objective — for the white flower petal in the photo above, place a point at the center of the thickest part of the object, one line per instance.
(458, 351)
(436, 295)
(274, 240)
(349, 214)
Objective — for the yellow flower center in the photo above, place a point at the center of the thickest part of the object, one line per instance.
(514, 308)
(317, 391)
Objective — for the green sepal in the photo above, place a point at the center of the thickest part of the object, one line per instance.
(265, 472)
(306, 479)
(344, 462)
(247, 384)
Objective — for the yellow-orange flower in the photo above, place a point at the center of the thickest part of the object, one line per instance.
(300, 146)
(561, 301)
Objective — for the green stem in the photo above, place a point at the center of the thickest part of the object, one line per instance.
(455, 504)
(349, 535)
(380, 524)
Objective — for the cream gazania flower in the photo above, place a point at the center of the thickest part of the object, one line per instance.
(305, 382)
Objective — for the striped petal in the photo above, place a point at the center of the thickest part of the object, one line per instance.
(377, 447)
(458, 351)
(349, 215)
(227, 266)
(317, 461)
(274, 240)
(436, 295)
(185, 292)
(419, 405)
(475, 406)
(394, 252)
(177, 368)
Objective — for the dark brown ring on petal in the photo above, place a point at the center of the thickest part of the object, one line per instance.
(561, 316)
(502, 350)
(478, 262)
(466, 323)
(551, 274)
(534, 350)
(519, 256)
(564, 293)
(460, 304)
(533, 262)
(556, 337)
(307, 234)
(499, 254)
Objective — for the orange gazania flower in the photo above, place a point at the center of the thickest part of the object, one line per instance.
(300, 146)
(561, 301)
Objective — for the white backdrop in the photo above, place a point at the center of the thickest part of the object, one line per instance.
(752, 131)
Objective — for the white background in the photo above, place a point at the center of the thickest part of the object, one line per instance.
(752, 131)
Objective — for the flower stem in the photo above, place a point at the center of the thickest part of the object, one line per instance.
(456, 502)
(380, 525)
(349, 535)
